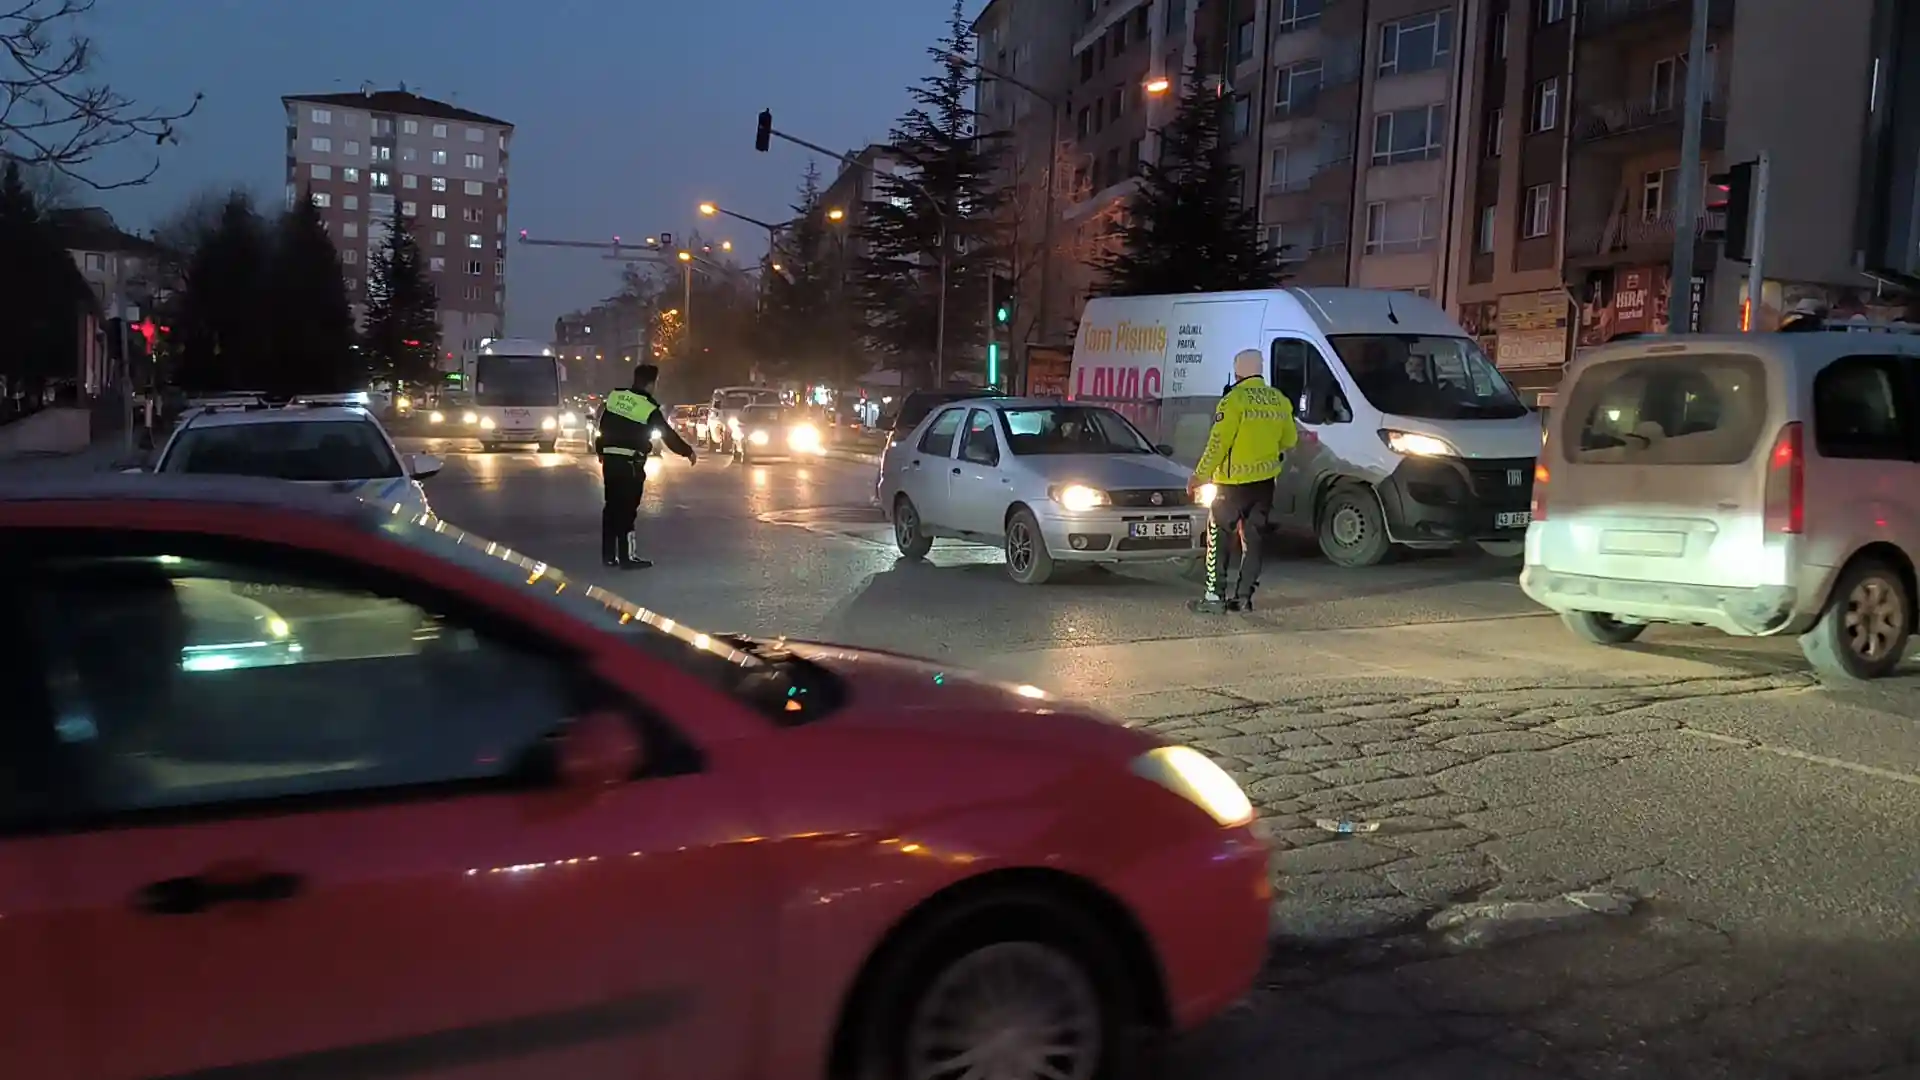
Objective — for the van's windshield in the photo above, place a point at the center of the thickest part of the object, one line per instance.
(1427, 378)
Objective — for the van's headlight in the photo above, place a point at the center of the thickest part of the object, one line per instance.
(1194, 777)
(1079, 497)
(470, 419)
(1415, 444)
(436, 417)
(548, 424)
(569, 420)
(804, 437)
(487, 424)
(1206, 493)
(758, 438)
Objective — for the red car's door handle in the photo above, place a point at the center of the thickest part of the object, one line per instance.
(193, 895)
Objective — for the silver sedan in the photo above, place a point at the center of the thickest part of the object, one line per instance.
(1047, 482)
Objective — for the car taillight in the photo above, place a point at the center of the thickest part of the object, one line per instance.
(1787, 483)
(1539, 512)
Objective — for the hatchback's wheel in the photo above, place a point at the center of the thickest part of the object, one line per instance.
(1601, 629)
(1028, 561)
(1352, 530)
(912, 540)
(1016, 992)
(1504, 549)
(1863, 632)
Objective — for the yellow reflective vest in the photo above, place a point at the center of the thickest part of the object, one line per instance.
(1252, 428)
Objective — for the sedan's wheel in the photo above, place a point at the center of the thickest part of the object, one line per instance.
(913, 541)
(1863, 632)
(1601, 629)
(1028, 561)
(1010, 1009)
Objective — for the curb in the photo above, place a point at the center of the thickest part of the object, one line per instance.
(859, 456)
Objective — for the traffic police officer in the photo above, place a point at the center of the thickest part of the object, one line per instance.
(627, 425)
(1252, 431)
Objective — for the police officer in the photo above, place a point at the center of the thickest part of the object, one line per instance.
(627, 425)
(1252, 431)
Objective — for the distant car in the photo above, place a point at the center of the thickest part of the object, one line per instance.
(684, 420)
(534, 830)
(766, 432)
(341, 448)
(1044, 481)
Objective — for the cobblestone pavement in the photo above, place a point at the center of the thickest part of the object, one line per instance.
(1481, 800)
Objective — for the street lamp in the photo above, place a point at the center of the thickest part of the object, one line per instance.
(836, 214)
(686, 299)
(709, 209)
(1158, 86)
(726, 245)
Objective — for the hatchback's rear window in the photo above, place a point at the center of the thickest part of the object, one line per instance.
(1697, 409)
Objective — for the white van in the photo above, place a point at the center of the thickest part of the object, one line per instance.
(1759, 484)
(1408, 433)
(729, 405)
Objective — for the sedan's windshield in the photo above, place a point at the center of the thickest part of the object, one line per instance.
(1428, 378)
(312, 450)
(740, 399)
(1071, 429)
(767, 415)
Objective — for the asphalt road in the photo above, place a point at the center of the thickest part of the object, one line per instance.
(1680, 858)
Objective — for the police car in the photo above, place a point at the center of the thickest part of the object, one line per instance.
(329, 442)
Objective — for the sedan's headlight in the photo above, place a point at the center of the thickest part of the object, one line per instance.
(758, 438)
(487, 424)
(1206, 493)
(1416, 444)
(404, 404)
(436, 417)
(1079, 497)
(804, 437)
(1194, 777)
(470, 418)
(549, 424)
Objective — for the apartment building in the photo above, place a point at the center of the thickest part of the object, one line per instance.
(359, 155)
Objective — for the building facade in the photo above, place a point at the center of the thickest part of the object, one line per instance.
(363, 156)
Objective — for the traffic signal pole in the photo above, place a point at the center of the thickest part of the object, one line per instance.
(1757, 241)
(1688, 212)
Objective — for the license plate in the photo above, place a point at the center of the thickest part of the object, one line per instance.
(1159, 530)
(1517, 519)
(516, 414)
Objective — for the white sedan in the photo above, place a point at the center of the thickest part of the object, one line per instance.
(340, 447)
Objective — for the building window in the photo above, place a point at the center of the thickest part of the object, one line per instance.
(353, 283)
(1544, 112)
(439, 157)
(475, 161)
(322, 116)
(409, 209)
(473, 241)
(1242, 116)
(1296, 88)
(473, 268)
(352, 149)
(472, 215)
(435, 264)
(1499, 35)
(1539, 212)
(439, 131)
(476, 135)
(380, 153)
(440, 210)
(320, 172)
(406, 153)
(409, 127)
(350, 229)
(474, 187)
(499, 267)
(350, 174)
(1668, 84)
(1483, 234)
(1399, 226)
(1552, 11)
(322, 200)
(1295, 15)
(379, 179)
(1409, 134)
(408, 180)
(380, 204)
(349, 256)
(321, 144)
(96, 262)
(439, 239)
(382, 125)
(439, 183)
(1244, 38)
(349, 202)
(1496, 131)
(1416, 43)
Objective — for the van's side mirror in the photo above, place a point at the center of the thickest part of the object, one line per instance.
(1164, 449)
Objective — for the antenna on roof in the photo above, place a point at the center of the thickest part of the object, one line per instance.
(403, 87)
(366, 88)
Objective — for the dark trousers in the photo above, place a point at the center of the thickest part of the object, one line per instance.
(1243, 509)
(623, 480)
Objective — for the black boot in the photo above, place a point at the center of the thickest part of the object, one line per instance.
(610, 553)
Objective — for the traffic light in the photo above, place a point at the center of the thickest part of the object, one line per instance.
(1731, 193)
(1002, 299)
(763, 134)
(666, 239)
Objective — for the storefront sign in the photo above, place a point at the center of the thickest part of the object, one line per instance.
(1532, 330)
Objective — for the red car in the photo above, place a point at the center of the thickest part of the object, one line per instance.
(293, 785)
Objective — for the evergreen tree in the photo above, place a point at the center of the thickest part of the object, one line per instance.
(808, 333)
(42, 293)
(401, 335)
(310, 320)
(224, 333)
(1185, 229)
(948, 177)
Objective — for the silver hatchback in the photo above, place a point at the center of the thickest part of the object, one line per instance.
(1046, 482)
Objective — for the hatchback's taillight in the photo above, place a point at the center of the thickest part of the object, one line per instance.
(1787, 483)
(1539, 492)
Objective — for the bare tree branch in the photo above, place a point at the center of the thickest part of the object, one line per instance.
(51, 114)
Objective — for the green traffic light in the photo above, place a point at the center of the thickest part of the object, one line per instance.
(1001, 313)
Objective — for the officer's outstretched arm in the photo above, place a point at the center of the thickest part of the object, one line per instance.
(671, 437)
(1226, 426)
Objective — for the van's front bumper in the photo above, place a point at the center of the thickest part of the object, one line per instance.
(1753, 611)
(1453, 500)
(1107, 534)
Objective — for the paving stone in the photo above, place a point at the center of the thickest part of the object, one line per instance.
(1283, 787)
(1621, 724)
(1502, 742)
(1322, 924)
(1245, 746)
(1347, 854)
(1321, 753)
(1388, 710)
(1421, 762)
(1359, 734)
(1389, 792)
(1467, 984)
(1443, 805)
(1444, 883)
(1337, 886)
(1448, 729)
(1408, 745)
(1282, 767)
(1436, 842)
(1358, 772)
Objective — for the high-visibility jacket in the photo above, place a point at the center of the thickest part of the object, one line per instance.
(627, 424)
(1252, 430)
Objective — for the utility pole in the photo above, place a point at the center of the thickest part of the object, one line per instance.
(1757, 241)
(1687, 209)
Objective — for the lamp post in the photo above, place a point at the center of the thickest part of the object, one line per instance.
(708, 209)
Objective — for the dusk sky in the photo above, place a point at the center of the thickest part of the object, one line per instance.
(627, 112)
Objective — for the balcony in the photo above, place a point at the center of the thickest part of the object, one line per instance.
(1625, 20)
(1638, 125)
(1630, 237)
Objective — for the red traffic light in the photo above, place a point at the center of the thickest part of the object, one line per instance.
(411, 344)
(1719, 192)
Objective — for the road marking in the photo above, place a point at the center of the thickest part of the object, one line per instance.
(1789, 752)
